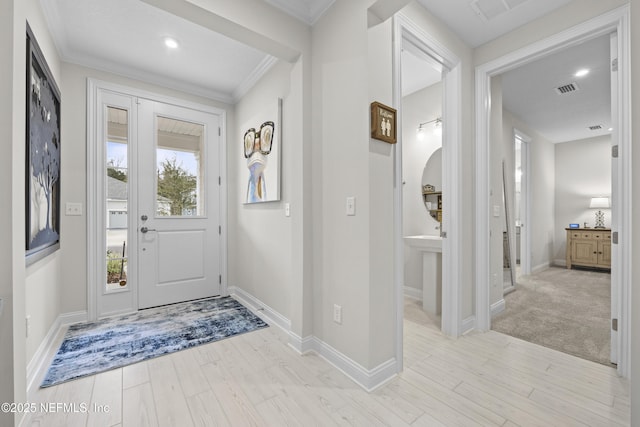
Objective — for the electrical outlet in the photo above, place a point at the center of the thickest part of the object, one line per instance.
(496, 211)
(73, 209)
(28, 325)
(337, 313)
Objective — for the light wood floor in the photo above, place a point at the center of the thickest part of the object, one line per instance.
(486, 379)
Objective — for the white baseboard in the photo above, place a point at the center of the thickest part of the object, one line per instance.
(468, 324)
(560, 262)
(414, 293)
(540, 267)
(497, 307)
(260, 308)
(39, 363)
(299, 344)
(368, 379)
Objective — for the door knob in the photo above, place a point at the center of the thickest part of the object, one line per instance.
(145, 230)
(144, 217)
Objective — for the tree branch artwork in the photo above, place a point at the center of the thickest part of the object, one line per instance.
(43, 154)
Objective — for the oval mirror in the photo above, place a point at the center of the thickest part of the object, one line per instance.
(432, 176)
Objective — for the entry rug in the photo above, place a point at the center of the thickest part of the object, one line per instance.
(91, 348)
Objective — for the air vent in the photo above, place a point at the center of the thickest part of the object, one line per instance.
(595, 127)
(489, 9)
(568, 88)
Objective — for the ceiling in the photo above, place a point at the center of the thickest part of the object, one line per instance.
(530, 93)
(126, 37)
(479, 21)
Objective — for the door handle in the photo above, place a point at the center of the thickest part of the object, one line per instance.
(145, 230)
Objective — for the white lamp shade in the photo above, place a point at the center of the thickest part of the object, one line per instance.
(599, 203)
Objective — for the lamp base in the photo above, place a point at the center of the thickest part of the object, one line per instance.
(599, 220)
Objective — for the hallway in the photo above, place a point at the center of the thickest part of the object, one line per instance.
(257, 379)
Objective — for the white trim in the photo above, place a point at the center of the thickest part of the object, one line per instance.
(368, 379)
(39, 363)
(404, 27)
(261, 69)
(560, 262)
(525, 202)
(414, 293)
(540, 268)
(615, 20)
(301, 345)
(498, 307)
(468, 324)
(261, 309)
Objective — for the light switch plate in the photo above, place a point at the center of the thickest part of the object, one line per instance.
(496, 211)
(351, 206)
(287, 209)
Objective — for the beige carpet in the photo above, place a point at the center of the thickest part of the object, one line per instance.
(566, 310)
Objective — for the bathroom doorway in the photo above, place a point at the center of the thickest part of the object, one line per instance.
(422, 180)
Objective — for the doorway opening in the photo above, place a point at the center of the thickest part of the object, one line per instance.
(614, 23)
(443, 210)
(422, 195)
(155, 201)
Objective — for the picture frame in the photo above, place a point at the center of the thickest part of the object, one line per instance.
(262, 154)
(383, 123)
(42, 160)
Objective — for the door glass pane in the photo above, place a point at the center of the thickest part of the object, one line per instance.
(117, 198)
(180, 168)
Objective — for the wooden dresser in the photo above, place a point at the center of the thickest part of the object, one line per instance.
(589, 247)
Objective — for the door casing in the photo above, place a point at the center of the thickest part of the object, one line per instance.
(616, 20)
(128, 301)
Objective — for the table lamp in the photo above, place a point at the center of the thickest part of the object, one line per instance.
(599, 203)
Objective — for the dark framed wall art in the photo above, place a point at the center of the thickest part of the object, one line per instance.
(42, 168)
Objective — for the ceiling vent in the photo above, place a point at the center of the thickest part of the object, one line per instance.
(489, 9)
(568, 88)
(595, 127)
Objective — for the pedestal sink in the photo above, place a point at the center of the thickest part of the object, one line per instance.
(431, 248)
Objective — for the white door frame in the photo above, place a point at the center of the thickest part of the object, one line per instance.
(616, 20)
(403, 27)
(128, 301)
(525, 201)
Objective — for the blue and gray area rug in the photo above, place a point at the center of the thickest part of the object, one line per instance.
(90, 348)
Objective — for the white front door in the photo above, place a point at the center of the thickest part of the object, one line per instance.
(178, 204)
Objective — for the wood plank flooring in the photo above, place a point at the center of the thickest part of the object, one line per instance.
(255, 379)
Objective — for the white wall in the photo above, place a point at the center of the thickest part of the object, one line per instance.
(635, 237)
(260, 234)
(583, 170)
(418, 107)
(8, 91)
(345, 82)
(542, 187)
(496, 222)
(18, 291)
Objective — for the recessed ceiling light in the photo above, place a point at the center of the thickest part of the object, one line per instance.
(610, 129)
(170, 43)
(581, 73)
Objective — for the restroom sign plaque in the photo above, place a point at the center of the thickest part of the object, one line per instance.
(383, 123)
